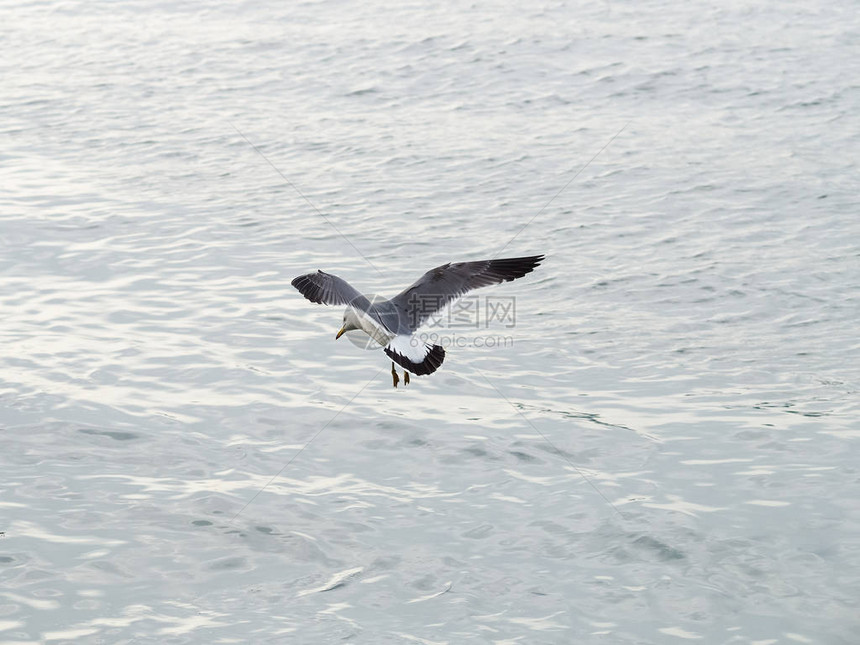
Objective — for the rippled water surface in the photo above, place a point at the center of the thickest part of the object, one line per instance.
(662, 447)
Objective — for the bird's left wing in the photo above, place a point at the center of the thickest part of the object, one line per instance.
(326, 289)
(439, 286)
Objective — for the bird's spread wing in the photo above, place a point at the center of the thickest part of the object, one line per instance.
(440, 286)
(327, 289)
(416, 356)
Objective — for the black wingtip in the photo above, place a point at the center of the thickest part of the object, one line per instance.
(512, 268)
(304, 277)
(305, 286)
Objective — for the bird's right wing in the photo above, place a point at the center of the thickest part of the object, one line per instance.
(326, 289)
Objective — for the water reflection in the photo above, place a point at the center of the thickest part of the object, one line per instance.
(689, 349)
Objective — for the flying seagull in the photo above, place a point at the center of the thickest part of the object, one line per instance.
(392, 323)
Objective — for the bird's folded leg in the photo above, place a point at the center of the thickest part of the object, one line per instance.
(394, 375)
(405, 377)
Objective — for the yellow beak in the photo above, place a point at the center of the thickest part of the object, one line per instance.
(341, 332)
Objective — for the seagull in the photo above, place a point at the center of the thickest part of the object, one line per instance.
(392, 323)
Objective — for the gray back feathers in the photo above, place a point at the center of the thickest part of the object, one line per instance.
(433, 291)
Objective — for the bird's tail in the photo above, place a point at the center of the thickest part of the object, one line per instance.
(425, 359)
